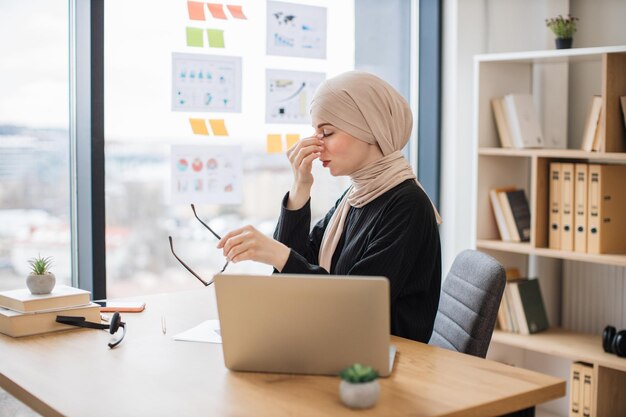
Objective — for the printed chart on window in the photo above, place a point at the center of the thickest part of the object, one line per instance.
(206, 174)
(288, 95)
(296, 30)
(206, 83)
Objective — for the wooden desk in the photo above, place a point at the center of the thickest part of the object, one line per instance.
(74, 373)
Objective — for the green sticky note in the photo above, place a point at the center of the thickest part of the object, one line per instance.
(195, 37)
(216, 38)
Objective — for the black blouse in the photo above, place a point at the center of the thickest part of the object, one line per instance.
(395, 236)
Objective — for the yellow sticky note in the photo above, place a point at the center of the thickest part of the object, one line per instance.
(216, 38)
(274, 144)
(195, 37)
(218, 127)
(292, 139)
(199, 127)
(196, 10)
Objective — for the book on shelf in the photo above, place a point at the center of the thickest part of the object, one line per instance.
(597, 144)
(622, 100)
(580, 208)
(606, 221)
(22, 300)
(576, 370)
(554, 234)
(17, 324)
(501, 123)
(567, 206)
(498, 213)
(523, 122)
(529, 306)
(504, 314)
(588, 382)
(516, 213)
(592, 123)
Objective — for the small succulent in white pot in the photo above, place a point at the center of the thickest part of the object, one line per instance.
(359, 386)
(40, 280)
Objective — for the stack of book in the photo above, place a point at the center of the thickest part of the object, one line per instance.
(582, 388)
(512, 213)
(587, 206)
(24, 314)
(517, 121)
(522, 309)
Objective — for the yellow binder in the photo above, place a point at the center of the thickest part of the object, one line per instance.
(554, 235)
(567, 206)
(606, 222)
(580, 208)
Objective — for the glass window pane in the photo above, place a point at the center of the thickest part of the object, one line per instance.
(140, 128)
(34, 139)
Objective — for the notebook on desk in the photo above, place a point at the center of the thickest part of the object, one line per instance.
(304, 324)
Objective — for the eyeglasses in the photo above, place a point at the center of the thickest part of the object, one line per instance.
(206, 284)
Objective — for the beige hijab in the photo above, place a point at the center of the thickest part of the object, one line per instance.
(369, 109)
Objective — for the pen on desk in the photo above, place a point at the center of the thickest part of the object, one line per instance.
(163, 328)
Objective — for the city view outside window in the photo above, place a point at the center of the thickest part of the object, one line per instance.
(140, 129)
(34, 139)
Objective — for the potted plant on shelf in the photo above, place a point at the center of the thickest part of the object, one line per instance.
(40, 280)
(359, 386)
(564, 29)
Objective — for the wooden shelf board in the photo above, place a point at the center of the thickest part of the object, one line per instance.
(555, 55)
(555, 153)
(565, 344)
(525, 248)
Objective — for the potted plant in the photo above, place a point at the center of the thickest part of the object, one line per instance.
(359, 386)
(564, 29)
(40, 280)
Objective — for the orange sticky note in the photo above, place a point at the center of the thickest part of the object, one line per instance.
(292, 139)
(236, 11)
(217, 10)
(198, 126)
(196, 10)
(218, 127)
(274, 144)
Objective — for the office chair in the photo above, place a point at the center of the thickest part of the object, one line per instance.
(469, 303)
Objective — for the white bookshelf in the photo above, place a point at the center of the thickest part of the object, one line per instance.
(544, 74)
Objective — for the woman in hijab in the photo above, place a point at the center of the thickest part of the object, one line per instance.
(384, 224)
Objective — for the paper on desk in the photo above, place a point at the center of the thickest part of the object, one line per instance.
(207, 332)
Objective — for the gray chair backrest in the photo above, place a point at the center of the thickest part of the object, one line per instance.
(468, 307)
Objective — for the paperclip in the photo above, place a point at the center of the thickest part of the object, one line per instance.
(163, 328)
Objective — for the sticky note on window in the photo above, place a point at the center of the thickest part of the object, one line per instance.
(216, 38)
(292, 139)
(218, 127)
(195, 37)
(196, 10)
(217, 10)
(236, 11)
(198, 126)
(274, 144)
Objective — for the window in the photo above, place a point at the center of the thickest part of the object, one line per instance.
(34, 139)
(141, 128)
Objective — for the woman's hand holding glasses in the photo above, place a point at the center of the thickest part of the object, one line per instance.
(248, 244)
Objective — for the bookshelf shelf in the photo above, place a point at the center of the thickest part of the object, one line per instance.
(526, 248)
(565, 344)
(555, 153)
(560, 105)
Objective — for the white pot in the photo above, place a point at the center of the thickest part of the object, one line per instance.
(41, 284)
(362, 395)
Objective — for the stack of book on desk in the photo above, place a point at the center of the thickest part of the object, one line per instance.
(24, 314)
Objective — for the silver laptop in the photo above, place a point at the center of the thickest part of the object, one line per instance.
(304, 324)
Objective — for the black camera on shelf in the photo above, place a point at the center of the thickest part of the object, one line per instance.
(614, 341)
